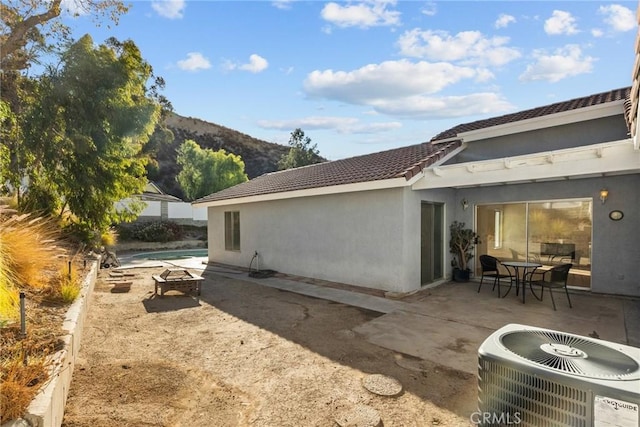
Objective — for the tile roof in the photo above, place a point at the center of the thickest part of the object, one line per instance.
(558, 107)
(402, 162)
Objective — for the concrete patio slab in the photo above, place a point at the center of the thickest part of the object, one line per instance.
(445, 342)
(448, 323)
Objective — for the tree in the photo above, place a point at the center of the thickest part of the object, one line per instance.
(87, 132)
(205, 171)
(24, 22)
(8, 136)
(301, 153)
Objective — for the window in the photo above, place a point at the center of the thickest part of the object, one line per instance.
(232, 231)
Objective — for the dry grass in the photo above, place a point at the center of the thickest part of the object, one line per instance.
(30, 262)
(28, 248)
(20, 383)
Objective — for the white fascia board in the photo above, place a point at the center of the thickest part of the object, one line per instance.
(612, 157)
(550, 120)
(320, 191)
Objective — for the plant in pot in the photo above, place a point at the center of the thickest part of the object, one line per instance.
(461, 247)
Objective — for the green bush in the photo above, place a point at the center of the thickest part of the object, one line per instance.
(159, 231)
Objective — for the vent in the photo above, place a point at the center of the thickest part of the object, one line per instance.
(571, 354)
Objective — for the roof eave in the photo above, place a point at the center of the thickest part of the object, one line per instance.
(602, 159)
(319, 191)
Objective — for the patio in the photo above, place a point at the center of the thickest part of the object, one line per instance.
(447, 324)
(456, 319)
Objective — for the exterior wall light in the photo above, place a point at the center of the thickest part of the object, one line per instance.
(604, 193)
(464, 204)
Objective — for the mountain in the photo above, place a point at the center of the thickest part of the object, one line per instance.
(259, 156)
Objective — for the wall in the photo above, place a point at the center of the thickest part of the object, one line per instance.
(179, 212)
(412, 212)
(372, 238)
(538, 141)
(354, 238)
(615, 247)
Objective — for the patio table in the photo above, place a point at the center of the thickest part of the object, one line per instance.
(517, 265)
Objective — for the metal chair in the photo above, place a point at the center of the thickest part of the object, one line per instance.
(489, 266)
(555, 277)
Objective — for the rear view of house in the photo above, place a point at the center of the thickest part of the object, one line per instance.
(529, 183)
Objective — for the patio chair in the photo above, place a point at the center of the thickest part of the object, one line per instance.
(489, 266)
(555, 277)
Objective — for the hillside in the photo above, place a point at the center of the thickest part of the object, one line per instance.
(259, 156)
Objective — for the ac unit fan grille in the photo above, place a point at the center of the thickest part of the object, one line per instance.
(571, 354)
(536, 401)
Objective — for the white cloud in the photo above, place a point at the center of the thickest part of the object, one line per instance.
(468, 47)
(619, 18)
(282, 4)
(255, 65)
(367, 13)
(195, 62)
(564, 62)
(429, 9)
(423, 107)
(404, 89)
(561, 22)
(344, 125)
(172, 9)
(504, 20)
(390, 79)
(597, 32)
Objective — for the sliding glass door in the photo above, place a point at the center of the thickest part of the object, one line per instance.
(549, 232)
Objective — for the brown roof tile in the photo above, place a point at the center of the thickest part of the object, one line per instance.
(558, 107)
(402, 162)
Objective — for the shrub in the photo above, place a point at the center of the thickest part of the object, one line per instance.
(159, 231)
(109, 237)
(27, 247)
(65, 287)
(20, 383)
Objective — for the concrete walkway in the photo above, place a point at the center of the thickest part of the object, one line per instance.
(447, 324)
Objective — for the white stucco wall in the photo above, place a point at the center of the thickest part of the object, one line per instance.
(355, 238)
(151, 209)
(199, 214)
(183, 210)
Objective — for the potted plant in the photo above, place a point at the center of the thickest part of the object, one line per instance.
(461, 247)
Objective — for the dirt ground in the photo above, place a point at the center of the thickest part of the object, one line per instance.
(245, 355)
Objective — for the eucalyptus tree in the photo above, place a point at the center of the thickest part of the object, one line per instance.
(301, 153)
(205, 171)
(87, 133)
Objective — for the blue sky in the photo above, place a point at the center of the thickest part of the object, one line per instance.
(365, 76)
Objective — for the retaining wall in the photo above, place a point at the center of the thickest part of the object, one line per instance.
(47, 408)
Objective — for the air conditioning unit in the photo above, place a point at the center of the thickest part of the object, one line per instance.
(529, 376)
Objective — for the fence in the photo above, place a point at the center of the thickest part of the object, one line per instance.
(179, 212)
